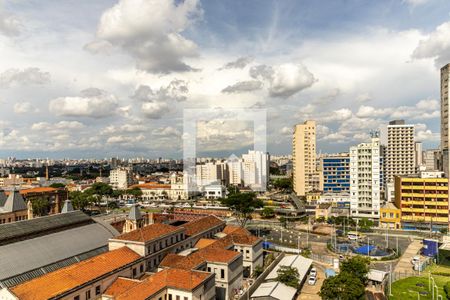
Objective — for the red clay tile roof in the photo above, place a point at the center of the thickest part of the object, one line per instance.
(121, 285)
(196, 259)
(65, 279)
(239, 235)
(38, 190)
(149, 232)
(186, 280)
(202, 224)
(202, 243)
(229, 229)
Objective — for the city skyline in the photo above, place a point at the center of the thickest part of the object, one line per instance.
(58, 99)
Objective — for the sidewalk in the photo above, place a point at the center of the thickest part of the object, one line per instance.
(404, 264)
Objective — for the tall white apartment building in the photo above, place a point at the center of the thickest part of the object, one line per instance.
(418, 149)
(445, 74)
(432, 159)
(256, 169)
(211, 172)
(366, 179)
(400, 151)
(121, 178)
(304, 157)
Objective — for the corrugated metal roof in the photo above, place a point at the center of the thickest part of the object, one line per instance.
(67, 206)
(2, 198)
(135, 213)
(23, 256)
(296, 261)
(39, 226)
(274, 290)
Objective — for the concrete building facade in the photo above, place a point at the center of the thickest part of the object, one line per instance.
(304, 157)
(366, 179)
(400, 150)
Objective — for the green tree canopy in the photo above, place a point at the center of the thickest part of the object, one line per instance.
(79, 200)
(288, 276)
(268, 212)
(343, 286)
(283, 183)
(242, 205)
(40, 206)
(57, 185)
(135, 192)
(358, 266)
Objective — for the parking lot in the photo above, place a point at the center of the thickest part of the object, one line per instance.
(309, 292)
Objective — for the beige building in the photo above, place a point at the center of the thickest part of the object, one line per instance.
(445, 73)
(304, 157)
(121, 178)
(400, 150)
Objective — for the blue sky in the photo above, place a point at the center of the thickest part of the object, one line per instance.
(106, 78)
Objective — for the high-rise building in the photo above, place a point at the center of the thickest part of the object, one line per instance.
(256, 169)
(418, 149)
(121, 178)
(366, 178)
(336, 173)
(423, 201)
(400, 151)
(304, 157)
(432, 159)
(445, 74)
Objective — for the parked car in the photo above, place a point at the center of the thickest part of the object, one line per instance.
(312, 280)
(313, 272)
(415, 260)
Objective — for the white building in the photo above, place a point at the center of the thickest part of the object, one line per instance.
(214, 191)
(236, 171)
(400, 151)
(366, 179)
(445, 120)
(256, 169)
(121, 178)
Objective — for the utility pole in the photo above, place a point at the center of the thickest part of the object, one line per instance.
(390, 279)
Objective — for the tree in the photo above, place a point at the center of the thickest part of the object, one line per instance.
(242, 205)
(96, 192)
(135, 192)
(358, 266)
(57, 185)
(267, 212)
(283, 221)
(343, 286)
(283, 183)
(288, 276)
(257, 271)
(365, 224)
(79, 200)
(40, 206)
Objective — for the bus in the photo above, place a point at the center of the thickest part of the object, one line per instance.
(354, 235)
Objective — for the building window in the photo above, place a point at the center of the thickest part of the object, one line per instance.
(76, 298)
(141, 268)
(134, 272)
(222, 273)
(170, 296)
(88, 294)
(97, 290)
(178, 297)
(209, 269)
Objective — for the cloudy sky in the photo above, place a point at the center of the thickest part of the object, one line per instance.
(103, 78)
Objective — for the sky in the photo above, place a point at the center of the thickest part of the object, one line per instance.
(93, 79)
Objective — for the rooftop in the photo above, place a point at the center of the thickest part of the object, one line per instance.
(274, 290)
(202, 224)
(302, 264)
(148, 233)
(186, 280)
(65, 279)
(14, 202)
(11, 232)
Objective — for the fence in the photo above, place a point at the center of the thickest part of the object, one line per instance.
(261, 278)
(322, 258)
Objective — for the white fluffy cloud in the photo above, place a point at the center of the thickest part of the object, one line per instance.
(28, 76)
(243, 86)
(155, 110)
(284, 80)
(436, 45)
(10, 25)
(92, 102)
(71, 125)
(24, 107)
(151, 32)
(176, 90)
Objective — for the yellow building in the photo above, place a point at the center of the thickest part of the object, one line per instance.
(423, 202)
(313, 197)
(390, 216)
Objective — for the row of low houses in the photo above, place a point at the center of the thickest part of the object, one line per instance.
(179, 260)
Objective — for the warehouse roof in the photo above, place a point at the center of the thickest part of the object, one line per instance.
(202, 224)
(302, 264)
(148, 233)
(274, 290)
(28, 229)
(31, 254)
